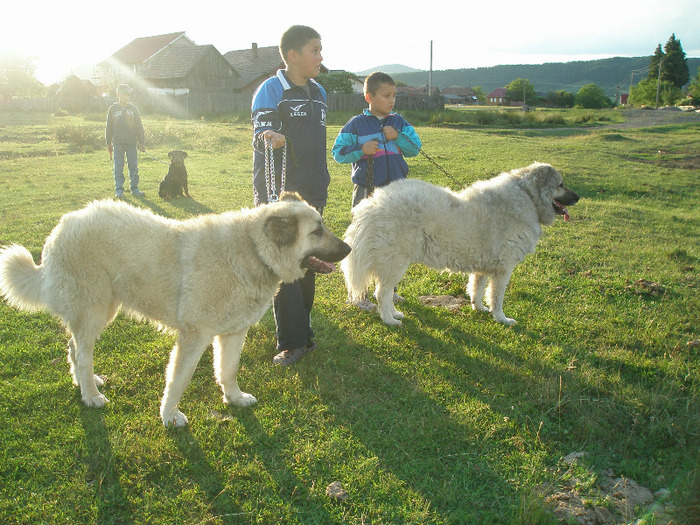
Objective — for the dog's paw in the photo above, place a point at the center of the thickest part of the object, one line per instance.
(242, 400)
(392, 321)
(97, 401)
(99, 381)
(506, 320)
(176, 419)
(397, 315)
(479, 307)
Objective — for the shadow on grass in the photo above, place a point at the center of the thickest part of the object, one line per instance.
(103, 470)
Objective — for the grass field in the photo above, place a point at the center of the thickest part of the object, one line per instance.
(449, 419)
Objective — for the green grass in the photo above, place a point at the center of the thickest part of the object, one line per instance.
(451, 418)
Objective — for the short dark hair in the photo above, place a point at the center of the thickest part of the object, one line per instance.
(296, 37)
(374, 80)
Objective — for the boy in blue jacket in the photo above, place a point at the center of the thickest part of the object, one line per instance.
(376, 141)
(289, 114)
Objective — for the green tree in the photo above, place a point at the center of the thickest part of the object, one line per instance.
(560, 99)
(480, 94)
(694, 89)
(521, 89)
(17, 77)
(337, 82)
(655, 61)
(644, 93)
(675, 65)
(670, 64)
(592, 96)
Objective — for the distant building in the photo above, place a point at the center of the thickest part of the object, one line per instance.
(498, 97)
(459, 95)
(256, 64)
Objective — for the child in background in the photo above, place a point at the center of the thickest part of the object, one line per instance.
(375, 143)
(124, 134)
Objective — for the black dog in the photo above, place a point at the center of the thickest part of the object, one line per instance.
(174, 184)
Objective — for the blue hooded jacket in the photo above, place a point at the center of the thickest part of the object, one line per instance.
(389, 163)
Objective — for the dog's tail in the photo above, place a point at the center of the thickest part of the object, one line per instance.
(355, 267)
(20, 279)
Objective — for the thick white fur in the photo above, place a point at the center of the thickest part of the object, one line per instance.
(209, 278)
(484, 230)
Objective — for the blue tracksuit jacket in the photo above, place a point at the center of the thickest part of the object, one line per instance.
(300, 115)
(389, 162)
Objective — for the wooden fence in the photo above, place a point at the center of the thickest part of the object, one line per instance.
(193, 105)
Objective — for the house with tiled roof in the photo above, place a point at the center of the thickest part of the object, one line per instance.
(256, 64)
(498, 97)
(128, 62)
(177, 70)
(459, 95)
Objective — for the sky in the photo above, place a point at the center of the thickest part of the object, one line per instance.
(70, 36)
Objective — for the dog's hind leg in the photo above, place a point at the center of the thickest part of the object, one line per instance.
(385, 296)
(475, 289)
(80, 356)
(183, 360)
(495, 292)
(227, 357)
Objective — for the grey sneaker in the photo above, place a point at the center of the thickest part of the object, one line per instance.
(137, 193)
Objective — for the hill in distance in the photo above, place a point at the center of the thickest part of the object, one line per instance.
(391, 69)
(612, 74)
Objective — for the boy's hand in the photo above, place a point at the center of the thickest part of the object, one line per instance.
(277, 139)
(370, 147)
(390, 132)
(142, 147)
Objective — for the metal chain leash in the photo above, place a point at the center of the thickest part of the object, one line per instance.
(270, 184)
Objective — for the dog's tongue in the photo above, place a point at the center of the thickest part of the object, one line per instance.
(563, 210)
(319, 266)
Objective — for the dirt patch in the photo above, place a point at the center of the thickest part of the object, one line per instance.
(450, 302)
(609, 500)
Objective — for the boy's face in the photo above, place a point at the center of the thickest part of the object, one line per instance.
(381, 103)
(308, 62)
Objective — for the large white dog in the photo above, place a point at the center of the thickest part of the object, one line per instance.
(484, 230)
(209, 278)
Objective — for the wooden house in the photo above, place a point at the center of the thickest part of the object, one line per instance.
(255, 65)
(178, 70)
(129, 62)
(459, 95)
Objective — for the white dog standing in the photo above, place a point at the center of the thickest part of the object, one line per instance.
(209, 277)
(484, 230)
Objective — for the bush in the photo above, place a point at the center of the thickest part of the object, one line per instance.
(592, 96)
(83, 137)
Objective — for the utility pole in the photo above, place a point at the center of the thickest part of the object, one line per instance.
(658, 86)
(430, 75)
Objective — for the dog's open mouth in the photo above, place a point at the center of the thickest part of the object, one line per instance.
(560, 209)
(317, 265)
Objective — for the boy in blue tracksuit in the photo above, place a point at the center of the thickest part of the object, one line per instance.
(376, 140)
(289, 110)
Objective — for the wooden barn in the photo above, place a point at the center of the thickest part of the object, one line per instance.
(179, 70)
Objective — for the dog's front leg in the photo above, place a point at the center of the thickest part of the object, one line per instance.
(495, 292)
(183, 361)
(227, 358)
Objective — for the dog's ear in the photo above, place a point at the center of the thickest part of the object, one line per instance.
(282, 230)
(290, 196)
(184, 154)
(170, 154)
